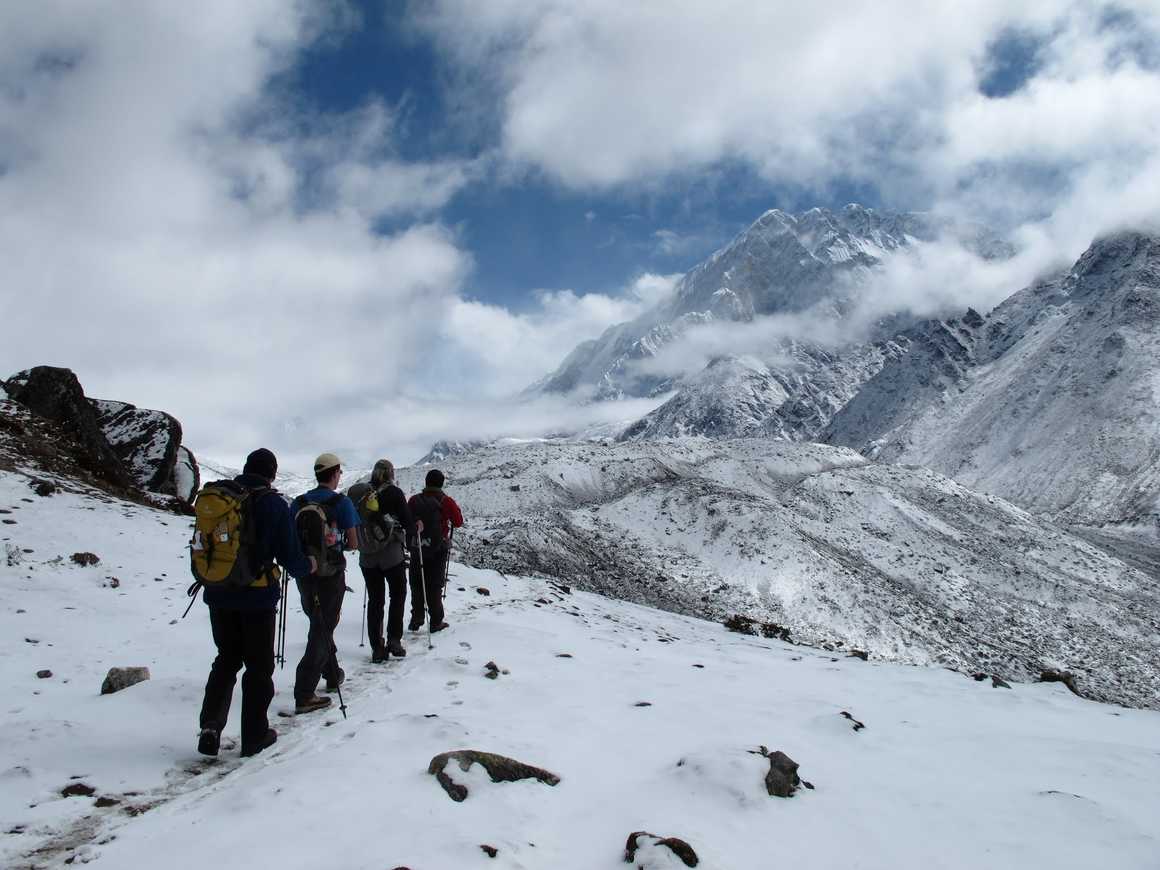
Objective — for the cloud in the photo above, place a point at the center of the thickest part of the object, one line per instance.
(509, 350)
(607, 95)
(176, 234)
(1040, 118)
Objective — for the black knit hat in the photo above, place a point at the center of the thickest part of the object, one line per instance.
(435, 479)
(262, 463)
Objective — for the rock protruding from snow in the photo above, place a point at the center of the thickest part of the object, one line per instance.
(499, 767)
(642, 846)
(122, 678)
(782, 780)
(146, 441)
(56, 395)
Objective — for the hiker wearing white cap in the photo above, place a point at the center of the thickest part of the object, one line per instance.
(326, 521)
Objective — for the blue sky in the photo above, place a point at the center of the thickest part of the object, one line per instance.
(530, 232)
(441, 199)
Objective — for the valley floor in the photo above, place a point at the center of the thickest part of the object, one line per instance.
(651, 720)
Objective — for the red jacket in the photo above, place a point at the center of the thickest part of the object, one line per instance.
(450, 515)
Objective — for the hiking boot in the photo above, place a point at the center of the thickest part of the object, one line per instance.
(395, 648)
(415, 624)
(333, 687)
(439, 626)
(379, 655)
(208, 741)
(265, 743)
(309, 705)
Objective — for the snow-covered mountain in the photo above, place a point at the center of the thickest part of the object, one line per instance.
(816, 261)
(1051, 401)
(843, 552)
(651, 722)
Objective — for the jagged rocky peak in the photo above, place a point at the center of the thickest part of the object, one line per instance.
(124, 447)
(783, 263)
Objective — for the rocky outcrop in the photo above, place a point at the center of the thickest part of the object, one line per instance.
(147, 442)
(56, 395)
(46, 421)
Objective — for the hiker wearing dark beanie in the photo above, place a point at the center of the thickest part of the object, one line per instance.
(439, 515)
(243, 617)
(263, 463)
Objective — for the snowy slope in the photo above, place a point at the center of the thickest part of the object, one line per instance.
(897, 561)
(947, 771)
(1053, 401)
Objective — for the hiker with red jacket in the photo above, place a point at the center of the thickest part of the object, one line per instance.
(439, 515)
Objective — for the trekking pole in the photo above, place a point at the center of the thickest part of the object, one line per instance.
(362, 630)
(423, 585)
(341, 703)
(447, 561)
(278, 636)
(282, 628)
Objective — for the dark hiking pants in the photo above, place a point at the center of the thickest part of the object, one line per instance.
(380, 582)
(243, 638)
(431, 577)
(322, 604)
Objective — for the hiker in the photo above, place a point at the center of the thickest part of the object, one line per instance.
(439, 515)
(242, 617)
(386, 524)
(326, 522)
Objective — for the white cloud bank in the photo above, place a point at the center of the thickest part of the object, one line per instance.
(184, 239)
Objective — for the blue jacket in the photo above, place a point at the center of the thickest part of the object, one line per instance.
(275, 539)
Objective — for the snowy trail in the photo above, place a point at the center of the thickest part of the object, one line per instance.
(947, 772)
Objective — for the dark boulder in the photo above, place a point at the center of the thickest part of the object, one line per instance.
(55, 394)
(782, 779)
(146, 442)
(122, 678)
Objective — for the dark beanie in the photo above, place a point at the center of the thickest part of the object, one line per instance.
(435, 479)
(262, 463)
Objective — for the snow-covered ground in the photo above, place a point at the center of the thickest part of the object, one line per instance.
(898, 561)
(947, 772)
